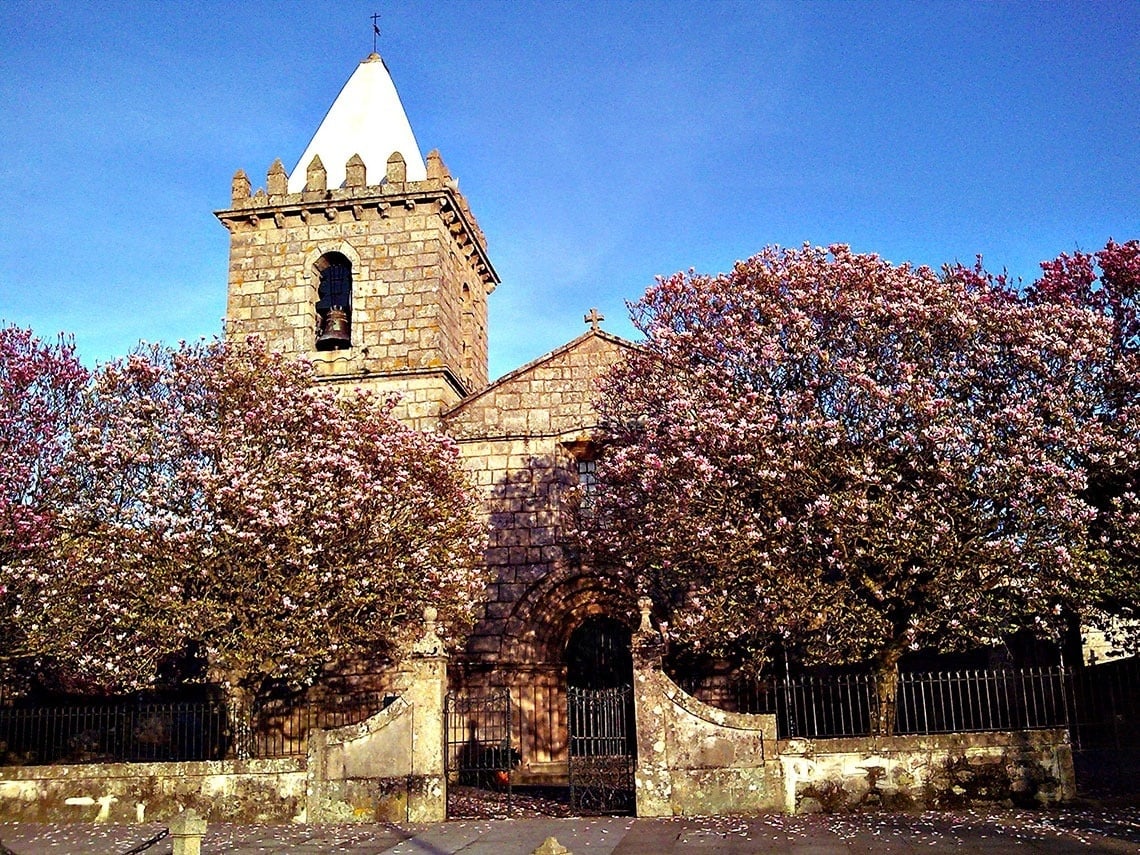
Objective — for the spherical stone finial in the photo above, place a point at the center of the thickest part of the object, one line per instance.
(430, 614)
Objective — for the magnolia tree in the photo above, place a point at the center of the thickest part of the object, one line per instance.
(1108, 283)
(222, 505)
(825, 452)
(40, 387)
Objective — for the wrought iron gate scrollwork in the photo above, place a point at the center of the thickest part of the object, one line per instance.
(601, 747)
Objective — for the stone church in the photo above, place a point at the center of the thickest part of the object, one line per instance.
(368, 260)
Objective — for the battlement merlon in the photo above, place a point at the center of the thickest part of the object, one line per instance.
(358, 200)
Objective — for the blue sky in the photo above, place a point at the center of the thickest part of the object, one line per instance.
(600, 144)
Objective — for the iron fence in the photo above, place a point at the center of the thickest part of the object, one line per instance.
(479, 756)
(112, 733)
(1105, 728)
(1098, 704)
(478, 728)
(133, 731)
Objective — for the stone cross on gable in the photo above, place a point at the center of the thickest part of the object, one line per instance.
(593, 319)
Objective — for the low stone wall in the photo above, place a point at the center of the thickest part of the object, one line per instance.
(220, 790)
(694, 759)
(1025, 768)
(691, 759)
(359, 773)
(390, 767)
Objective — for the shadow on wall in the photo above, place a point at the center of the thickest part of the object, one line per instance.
(541, 592)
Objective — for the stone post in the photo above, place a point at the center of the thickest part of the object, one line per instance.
(187, 830)
(427, 785)
(316, 177)
(653, 787)
(550, 846)
(316, 775)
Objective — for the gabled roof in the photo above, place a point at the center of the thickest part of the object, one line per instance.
(368, 119)
(535, 363)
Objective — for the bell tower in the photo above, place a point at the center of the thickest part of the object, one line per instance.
(366, 259)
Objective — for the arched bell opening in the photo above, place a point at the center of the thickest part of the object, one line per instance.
(334, 302)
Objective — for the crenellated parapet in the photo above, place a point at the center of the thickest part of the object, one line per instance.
(358, 201)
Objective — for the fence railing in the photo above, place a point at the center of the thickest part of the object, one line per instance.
(1098, 704)
(120, 733)
(925, 703)
(139, 732)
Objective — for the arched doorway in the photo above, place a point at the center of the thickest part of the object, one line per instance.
(599, 676)
(598, 655)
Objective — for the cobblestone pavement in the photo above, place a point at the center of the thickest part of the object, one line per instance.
(1058, 832)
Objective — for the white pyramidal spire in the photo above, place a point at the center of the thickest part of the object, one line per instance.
(368, 119)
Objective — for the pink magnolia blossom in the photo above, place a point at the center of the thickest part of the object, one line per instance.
(224, 510)
(40, 387)
(852, 458)
(1107, 282)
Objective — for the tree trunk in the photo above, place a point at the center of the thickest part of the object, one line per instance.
(239, 712)
(886, 693)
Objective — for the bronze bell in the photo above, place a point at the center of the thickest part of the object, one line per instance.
(335, 333)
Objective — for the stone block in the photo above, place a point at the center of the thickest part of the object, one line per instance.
(484, 644)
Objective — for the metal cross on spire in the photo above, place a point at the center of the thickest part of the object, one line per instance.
(375, 29)
(593, 319)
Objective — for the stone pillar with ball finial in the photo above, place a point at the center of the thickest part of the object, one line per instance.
(652, 780)
(427, 785)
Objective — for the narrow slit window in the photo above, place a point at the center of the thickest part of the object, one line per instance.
(588, 484)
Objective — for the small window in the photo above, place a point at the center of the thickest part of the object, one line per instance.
(587, 484)
(334, 302)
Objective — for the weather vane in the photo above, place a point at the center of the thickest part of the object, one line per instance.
(375, 29)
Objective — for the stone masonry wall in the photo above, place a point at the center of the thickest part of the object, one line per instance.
(692, 758)
(390, 767)
(221, 790)
(551, 397)
(421, 394)
(521, 440)
(1031, 768)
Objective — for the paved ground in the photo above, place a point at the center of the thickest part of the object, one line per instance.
(1056, 832)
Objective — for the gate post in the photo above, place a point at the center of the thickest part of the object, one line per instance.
(427, 784)
(653, 786)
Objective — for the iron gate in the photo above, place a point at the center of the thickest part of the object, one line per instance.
(479, 756)
(601, 750)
